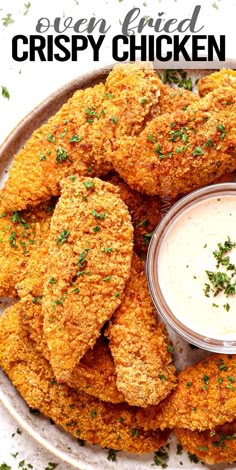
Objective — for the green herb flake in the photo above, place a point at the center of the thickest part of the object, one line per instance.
(93, 413)
(188, 384)
(111, 455)
(221, 128)
(88, 184)
(197, 151)
(134, 432)
(114, 119)
(109, 96)
(209, 143)
(75, 138)
(161, 457)
(106, 278)
(7, 20)
(27, 7)
(226, 307)
(42, 157)
(52, 280)
(96, 229)
(51, 138)
(98, 215)
(62, 238)
(151, 138)
(5, 92)
(143, 100)
(61, 155)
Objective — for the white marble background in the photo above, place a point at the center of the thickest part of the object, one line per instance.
(29, 83)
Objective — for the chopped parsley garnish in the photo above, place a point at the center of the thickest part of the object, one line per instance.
(88, 184)
(62, 238)
(27, 7)
(209, 143)
(91, 112)
(51, 138)
(143, 100)
(177, 77)
(61, 155)
(161, 457)
(106, 278)
(159, 152)
(151, 138)
(12, 239)
(93, 413)
(107, 250)
(197, 151)
(111, 455)
(52, 280)
(114, 119)
(42, 157)
(96, 229)
(222, 129)
(75, 138)
(5, 92)
(221, 365)
(134, 432)
(98, 215)
(109, 96)
(8, 20)
(188, 384)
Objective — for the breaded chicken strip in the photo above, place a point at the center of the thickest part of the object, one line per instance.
(95, 374)
(79, 138)
(90, 250)
(146, 212)
(226, 77)
(205, 397)
(97, 422)
(22, 236)
(213, 447)
(138, 343)
(182, 151)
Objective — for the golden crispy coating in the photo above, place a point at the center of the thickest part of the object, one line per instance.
(172, 99)
(97, 422)
(182, 151)
(145, 211)
(90, 252)
(226, 77)
(204, 398)
(79, 138)
(22, 240)
(138, 343)
(212, 447)
(95, 374)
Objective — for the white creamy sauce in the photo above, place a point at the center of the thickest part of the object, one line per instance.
(186, 253)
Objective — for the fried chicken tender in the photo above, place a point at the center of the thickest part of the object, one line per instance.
(226, 77)
(95, 374)
(138, 343)
(97, 422)
(146, 212)
(22, 236)
(182, 151)
(90, 250)
(204, 397)
(213, 447)
(79, 138)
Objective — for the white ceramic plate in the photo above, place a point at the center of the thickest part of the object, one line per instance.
(60, 443)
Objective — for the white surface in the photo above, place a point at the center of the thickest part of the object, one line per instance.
(28, 83)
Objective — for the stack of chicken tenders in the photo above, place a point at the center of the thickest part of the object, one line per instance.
(83, 343)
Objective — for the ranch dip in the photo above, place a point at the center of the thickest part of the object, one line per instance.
(198, 285)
